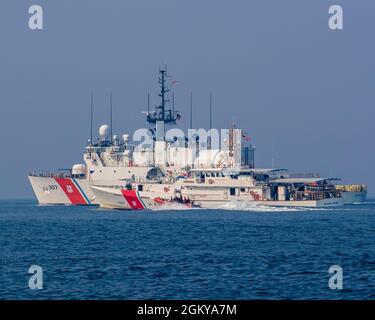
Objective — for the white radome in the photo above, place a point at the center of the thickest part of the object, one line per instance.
(79, 169)
(103, 131)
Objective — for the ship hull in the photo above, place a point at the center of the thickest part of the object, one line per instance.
(354, 197)
(62, 191)
(133, 200)
(116, 198)
(110, 199)
(324, 203)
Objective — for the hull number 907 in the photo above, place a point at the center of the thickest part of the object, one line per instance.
(50, 187)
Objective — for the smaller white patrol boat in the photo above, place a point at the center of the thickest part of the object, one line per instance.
(214, 188)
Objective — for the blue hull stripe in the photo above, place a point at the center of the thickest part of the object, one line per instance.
(80, 189)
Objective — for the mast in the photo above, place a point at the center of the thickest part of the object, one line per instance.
(173, 103)
(111, 122)
(210, 122)
(231, 139)
(163, 91)
(148, 103)
(91, 116)
(191, 110)
(161, 113)
(211, 110)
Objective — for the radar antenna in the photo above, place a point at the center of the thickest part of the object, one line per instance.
(161, 113)
(111, 116)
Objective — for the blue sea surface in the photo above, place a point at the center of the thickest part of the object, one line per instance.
(256, 253)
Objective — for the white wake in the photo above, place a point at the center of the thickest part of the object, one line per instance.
(254, 207)
(171, 206)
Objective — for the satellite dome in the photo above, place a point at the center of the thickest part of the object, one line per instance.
(79, 169)
(103, 131)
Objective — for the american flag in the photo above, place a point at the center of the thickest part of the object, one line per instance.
(246, 137)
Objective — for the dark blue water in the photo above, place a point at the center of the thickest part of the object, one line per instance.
(89, 253)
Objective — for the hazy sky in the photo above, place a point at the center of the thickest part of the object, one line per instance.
(304, 93)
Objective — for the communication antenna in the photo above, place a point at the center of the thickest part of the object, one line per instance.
(91, 115)
(211, 110)
(191, 110)
(148, 103)
(210, 122)
(111, 122)
(173, 103)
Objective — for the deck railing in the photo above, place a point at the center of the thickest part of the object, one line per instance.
(315, 195)
(50, 175)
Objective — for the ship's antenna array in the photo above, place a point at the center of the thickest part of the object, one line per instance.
(161, 113)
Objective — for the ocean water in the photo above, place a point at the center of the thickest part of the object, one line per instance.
(252, 253)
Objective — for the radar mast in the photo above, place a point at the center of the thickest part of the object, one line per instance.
(161, 113)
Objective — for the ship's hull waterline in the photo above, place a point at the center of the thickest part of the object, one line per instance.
(324, 203)
(240, 204)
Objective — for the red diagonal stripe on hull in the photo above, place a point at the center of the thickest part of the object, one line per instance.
(70, 190)
(132, 198)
